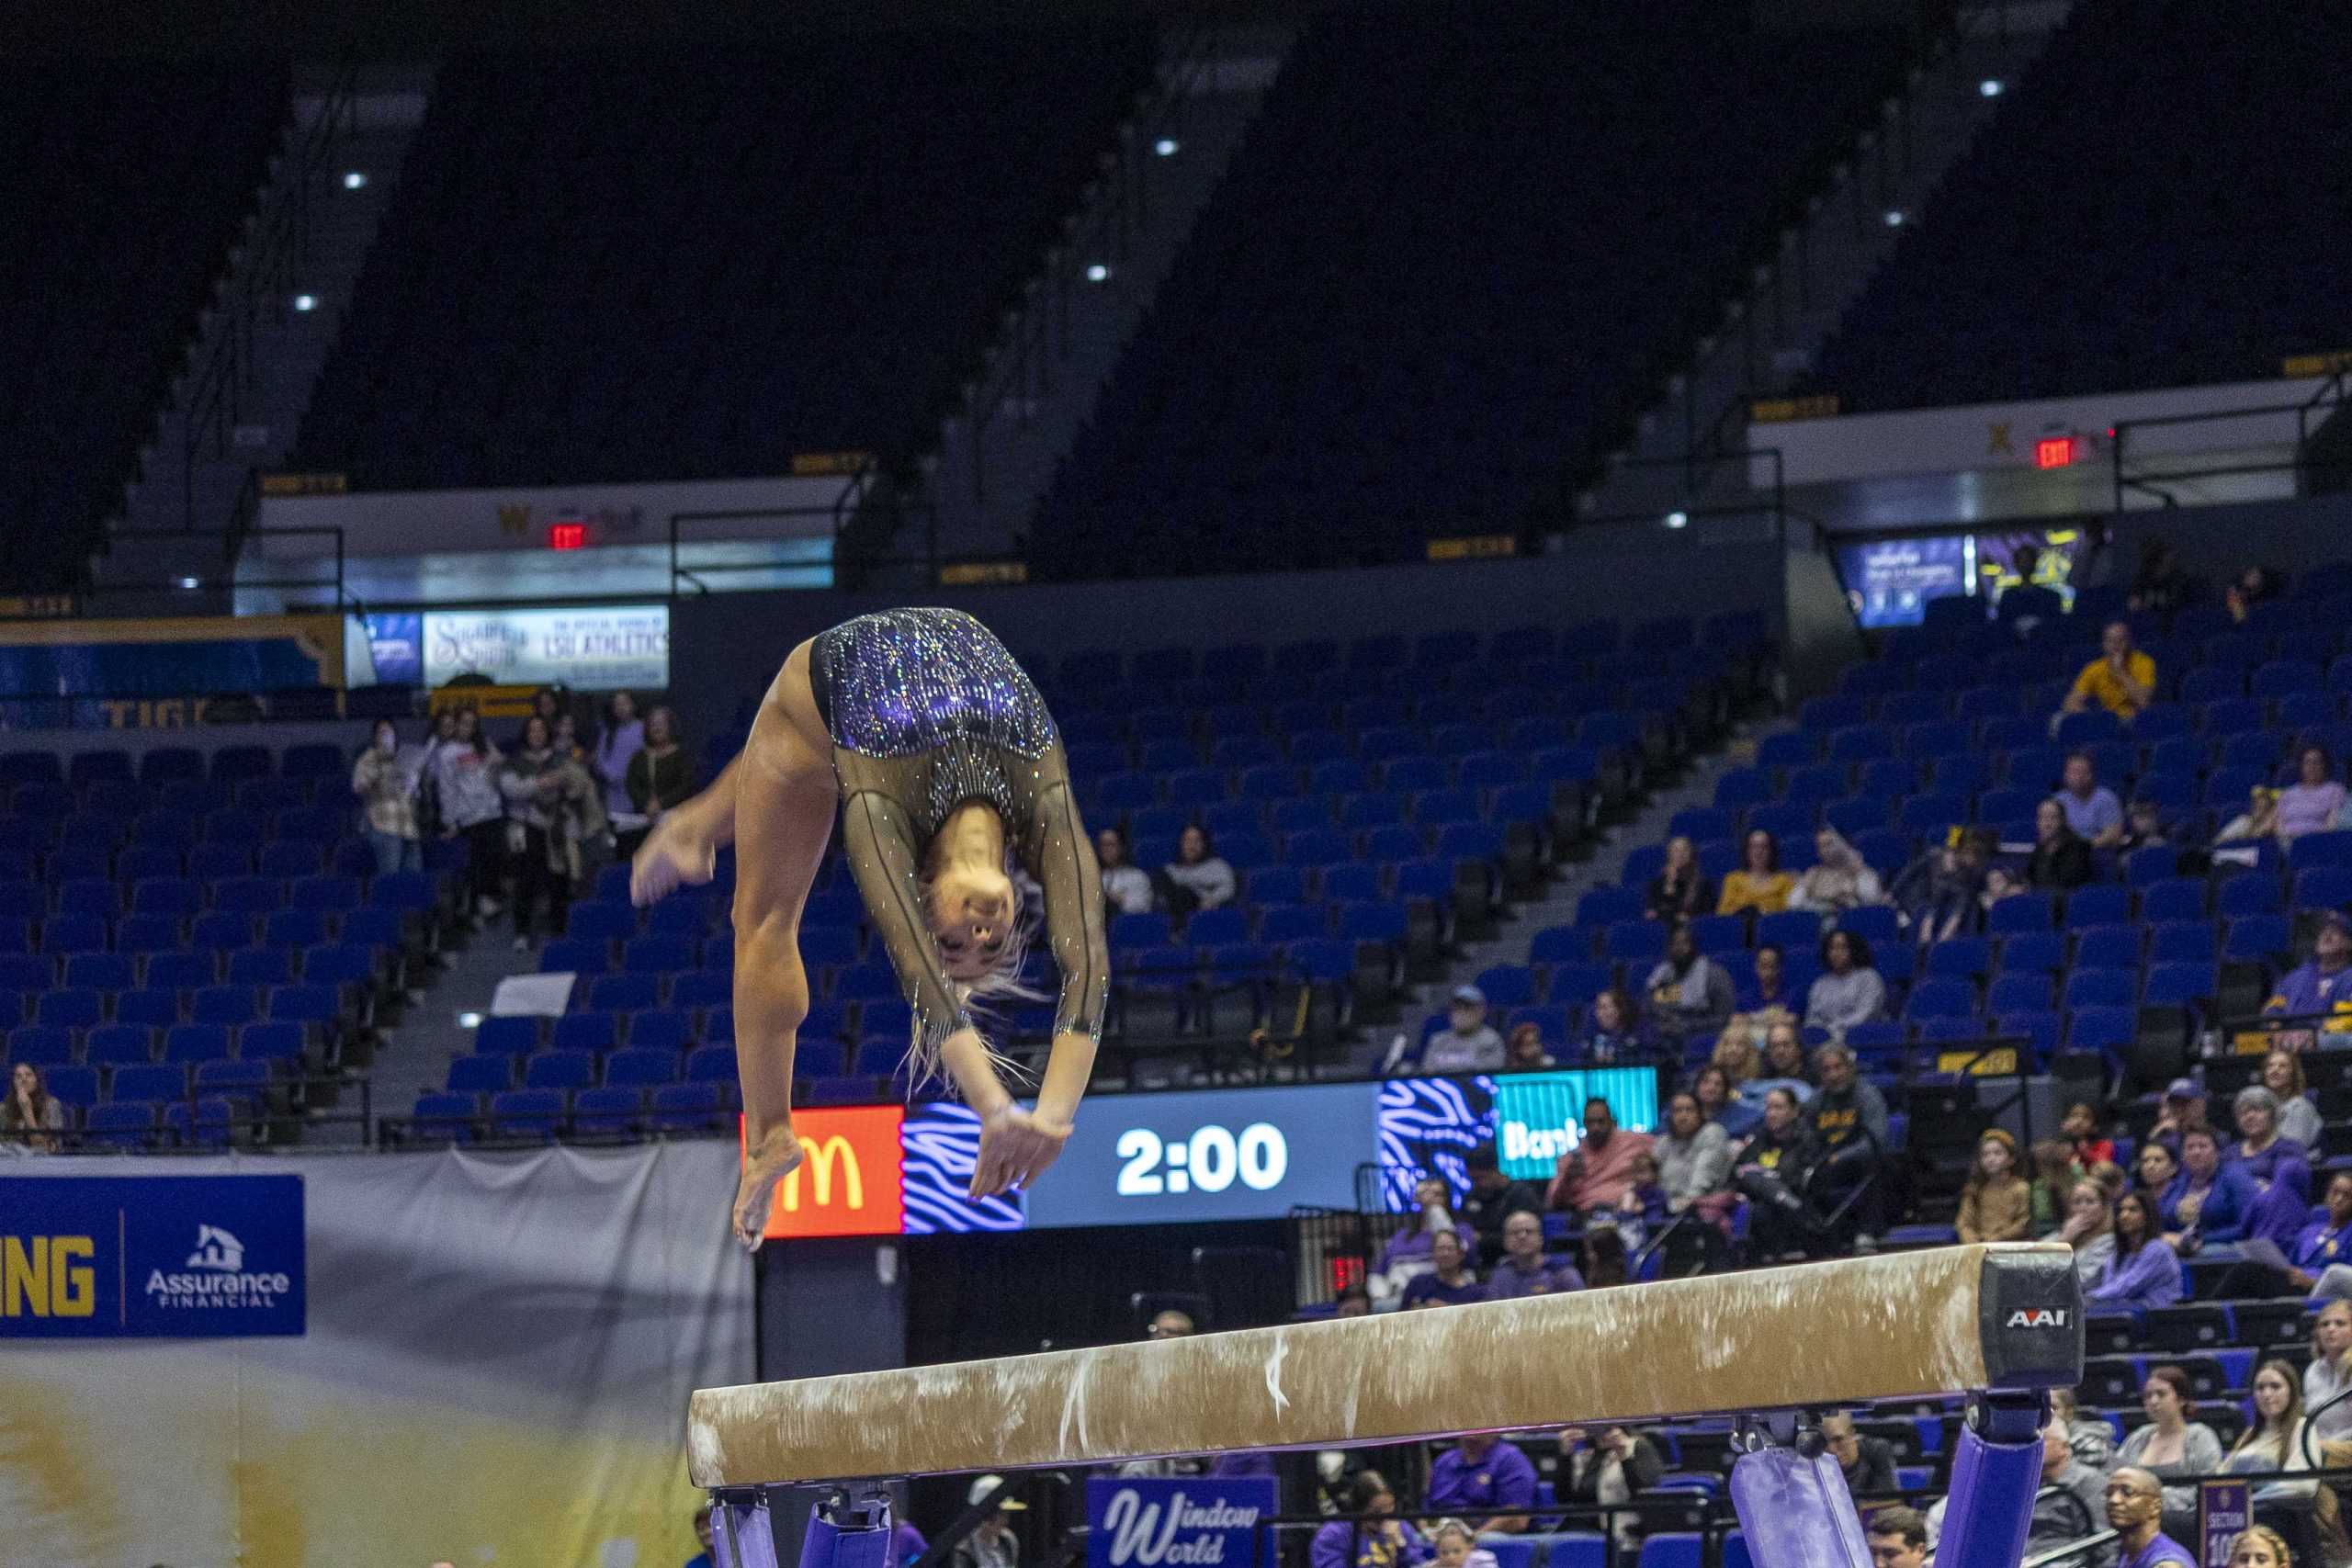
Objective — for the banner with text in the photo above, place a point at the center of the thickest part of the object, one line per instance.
(601, 648)
(1146, 1522)
(150, 1256)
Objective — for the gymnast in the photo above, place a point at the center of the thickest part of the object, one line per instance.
(947, 769)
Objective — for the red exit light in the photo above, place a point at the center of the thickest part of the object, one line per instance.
(574, 535)
(2053, 452)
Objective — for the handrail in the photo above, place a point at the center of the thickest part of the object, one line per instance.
(229, 579)
(1036, 331)
(281, 241)
(2332, 393)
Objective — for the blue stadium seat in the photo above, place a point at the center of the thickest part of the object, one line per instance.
(180, 971)
(2254, 939)
(481, 1075)
(2108, 947)
(559, 1068)
(643, 1067)
(711, 1063)
(121, 1124)
(261, 967)
(71, 1009)
(205, 1123)
(523, 1113)
(454, 1118)
(612, 1110)
(585, 1031)
(2100, 988)
(2018, 912)
(566, 955)
(622, 993)
(689, 1107)
(2102, 1028)
(148, 1080)
(2183, 942)
(2180, 985)
(507, 1034)
(271, 1042)
(119, 1042)
(2033, 952)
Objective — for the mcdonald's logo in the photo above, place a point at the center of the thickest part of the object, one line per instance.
(849, 1182)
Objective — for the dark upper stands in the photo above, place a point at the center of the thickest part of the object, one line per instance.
(1461, 244)
(694, 265)
(2144, 212)
(123, 183)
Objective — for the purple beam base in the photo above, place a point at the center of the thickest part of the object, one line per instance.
(1796, 1513)
(742, 1535)
(1993, 1480)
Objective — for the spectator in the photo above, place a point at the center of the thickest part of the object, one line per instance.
(702, 1558)
(30, 1118)
(1169, 1323)
(2026, 602)
(2090, 1437)
(1450, 1282)
(1645, 1200)
(1493, 1197)
(2109, 1179)
(1680, 889)
(1412, 1251)
(428, 787)
(2274, 1439)
(1837, 880)
(1937, 896)
(2259, 820)
(549, 703)
(2155, 1168)
(2143, 827)
(552, 804)
(2136, 1504)
(1995, 1204)
(567, 741)
(1524, 1271)
(465, 775)
(2143, 1271)
(1353, 1302)
(1606, 1472)
(1199, 873)
(2173, 1445)
(2259, 1545)
(2091, 808)
(2253, 585)
(2208, 1201)
(1488, 1481)
(1523, 1049)
(2183, 1107)
(1849, 991)
(1457, 1547)
(617, 743)
(1868, 1462)
(2322, 983)
(1693, 1154)
(1371, 1539)
(1898, 1537)
(2089, 1229)
(2066, 1506)
(1468, 1044)
(1849, 1129)
(2314, 802)
(2261, 1152)
(2061, 860)
(385, 779)
(2320, 1263)
(1760, 884)
(2090, 1145)
(1712, 1089)
(2122, 680)
(660, 776)
(1613, 1030)
(1783, 1067)
(1126, 887)
(1770, 1170)
(2161, 585)
(1597, 1173)
(1689, 994)
(1764, 1001)
(2053, 1175)
(906, 1543)
(2328, 1378)
(2282, 1074)
(991, 1543)
(1603, 1255)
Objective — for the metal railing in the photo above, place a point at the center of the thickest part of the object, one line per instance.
(2309, 416)
(841, 515)
(261, 289)
(274, 1115)
(224, 577)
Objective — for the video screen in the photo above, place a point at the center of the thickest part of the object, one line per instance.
(1889, 581)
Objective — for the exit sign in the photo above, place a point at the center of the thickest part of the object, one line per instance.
(2053, 452)
(570, 535)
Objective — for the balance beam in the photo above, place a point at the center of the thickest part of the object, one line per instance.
(1950, 1320)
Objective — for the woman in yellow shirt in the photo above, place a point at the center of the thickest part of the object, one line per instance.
(1760, 885)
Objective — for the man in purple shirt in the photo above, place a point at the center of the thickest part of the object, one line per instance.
(1479, 1476)
(1523, 1271)
(2321, 1260)
(2135, 1507)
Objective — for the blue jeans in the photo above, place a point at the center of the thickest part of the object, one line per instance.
(394, 852)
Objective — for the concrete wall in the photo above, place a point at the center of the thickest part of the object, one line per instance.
(726, 648)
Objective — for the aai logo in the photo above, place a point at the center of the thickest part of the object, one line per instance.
(2038, 1317)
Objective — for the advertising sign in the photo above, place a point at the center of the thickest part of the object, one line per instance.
(848, 1182)
(396, 646)
(1146, 1522)
(151, 1257)
(1238, 1155)
(2225, 1510)
(603, 648)
(1427, 1125)
(1889, 581)
(1539, 1116)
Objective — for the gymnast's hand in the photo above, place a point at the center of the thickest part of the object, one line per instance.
(669, 857)
(1016, 1146)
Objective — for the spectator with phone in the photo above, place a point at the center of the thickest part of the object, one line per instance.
(1604, 1469)
(2122, 679)
(1370, 1538)
(1598, 1173)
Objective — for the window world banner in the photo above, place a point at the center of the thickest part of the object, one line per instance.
(1145, 1522)
(151, 1257)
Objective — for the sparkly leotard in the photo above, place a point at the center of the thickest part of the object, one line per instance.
(926, 711)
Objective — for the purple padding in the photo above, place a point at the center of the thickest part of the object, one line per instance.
(1992, 1503)
(1796, 1513)
(742, 1536)
(830, 1546)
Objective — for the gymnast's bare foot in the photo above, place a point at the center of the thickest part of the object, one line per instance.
(671, 856)
(776, 1155)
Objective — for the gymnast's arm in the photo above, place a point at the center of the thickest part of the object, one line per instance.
(1074, 930)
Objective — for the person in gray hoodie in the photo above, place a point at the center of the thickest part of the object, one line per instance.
(1850, 990)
